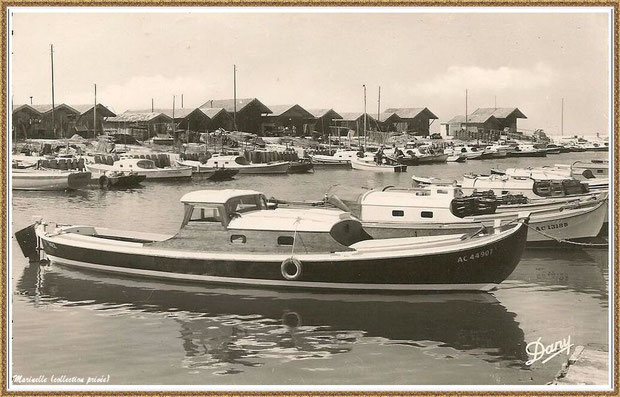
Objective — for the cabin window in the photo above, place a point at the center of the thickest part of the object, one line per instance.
(442, 191)
(146, 164)
(243, 204)
(285, 240)
(121, 166)
(426, 214)
(398, 213)
(599, 171)
(237, 239)
(205, 214)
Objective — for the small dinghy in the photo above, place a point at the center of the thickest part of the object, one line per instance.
(233, 237)
(301, 166)
(368, 164)
(122, 180)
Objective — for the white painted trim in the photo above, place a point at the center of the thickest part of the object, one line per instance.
(277, 283)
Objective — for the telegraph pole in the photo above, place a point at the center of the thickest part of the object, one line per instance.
(95, 115)
(365, 144)
(53, 121)
(235, 96)
(562, 119)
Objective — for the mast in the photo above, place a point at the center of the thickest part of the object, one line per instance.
(174, 97)
(95, 115)
(53, 107)
(152, 105)
(466, 121)
(379, 105)
(562, 119)
(235, 96)
(365, 144)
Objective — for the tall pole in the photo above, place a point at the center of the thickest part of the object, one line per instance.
(562, 119)
(95, 115)
(365, 144)
(152, 105)
(53, 121)
(235, 96)
(31, 99)
(173, 123)
(466, 116)
(379, 105)
(181, 101)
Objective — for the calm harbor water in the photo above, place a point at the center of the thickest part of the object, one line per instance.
(86, 324)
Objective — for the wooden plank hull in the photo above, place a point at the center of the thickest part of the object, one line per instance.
(479, 264)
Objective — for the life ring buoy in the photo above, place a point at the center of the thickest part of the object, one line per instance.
(290, 264)
(104, 182)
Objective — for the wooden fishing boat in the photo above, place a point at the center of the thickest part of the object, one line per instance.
(48, 179)
(527, 151)
(233, 237)
(202, 170)
(369, 164)
(140, 166)
(241, 164)
(437, 210)
(340, 158)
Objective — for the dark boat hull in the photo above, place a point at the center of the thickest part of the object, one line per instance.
(300, 167)
(478, 267)
(223, 174)
(540, 153)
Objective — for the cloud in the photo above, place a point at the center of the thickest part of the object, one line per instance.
(458, 78)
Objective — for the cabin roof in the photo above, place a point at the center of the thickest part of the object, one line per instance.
(290, 219)
(215, 196)
(429, 196)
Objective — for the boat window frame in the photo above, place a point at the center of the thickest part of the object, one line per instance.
(281, 242)
(189, 211)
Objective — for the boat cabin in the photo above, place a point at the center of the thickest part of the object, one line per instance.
(431, 204)
(130, 164)
(241, 220)
(217, 161)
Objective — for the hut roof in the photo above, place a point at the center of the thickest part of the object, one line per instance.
(279, 110)
(318, 113)
(134, 117)
(410, 113)
(353, 116)
(26, 107)
(212, 112)
(472, 118)
(105, 111)
(500, 113)
(48, 108)
(229, 104)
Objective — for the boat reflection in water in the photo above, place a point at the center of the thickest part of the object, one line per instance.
(227, 329)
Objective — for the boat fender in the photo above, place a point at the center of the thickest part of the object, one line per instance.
(104, 182)
(288, 265)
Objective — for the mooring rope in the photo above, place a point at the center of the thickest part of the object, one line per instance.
(560, 240)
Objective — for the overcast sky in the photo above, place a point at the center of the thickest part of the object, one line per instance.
(529, 61)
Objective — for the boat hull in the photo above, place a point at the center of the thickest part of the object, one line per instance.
(548, 227)
(384, 168)
(48, 180)
(538, 153)
(477, 265)
(266, 168)
(98, 170)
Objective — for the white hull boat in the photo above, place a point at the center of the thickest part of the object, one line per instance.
(50, 180)
(242, 165)
(369, 164)
(143, 167)
(431, 211)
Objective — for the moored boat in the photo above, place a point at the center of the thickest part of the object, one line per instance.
(140, 166)
(369, 164)
(242, 165)
(232, 237)
(438, 210)
(340, 158)
(115, 180)
(202, 170)
(527, 151)
(301, 166)
(48, 179)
